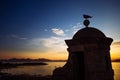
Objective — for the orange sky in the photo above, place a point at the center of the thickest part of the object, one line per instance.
(115, 51)
(52, 54)
(33, 55)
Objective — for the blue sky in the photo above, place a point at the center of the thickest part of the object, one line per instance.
(40, 25)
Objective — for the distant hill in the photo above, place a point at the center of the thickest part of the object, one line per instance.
(116, 60)
(40, 60)
(29, 60)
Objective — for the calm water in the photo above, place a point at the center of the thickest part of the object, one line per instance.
(116, 67)
(47, 69)
(35, 70)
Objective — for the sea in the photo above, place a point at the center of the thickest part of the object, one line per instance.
(45, 70)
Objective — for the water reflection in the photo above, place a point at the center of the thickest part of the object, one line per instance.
(48, 69)
(116, 67)
(35, 70)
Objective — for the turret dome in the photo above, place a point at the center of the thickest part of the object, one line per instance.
(89, 32)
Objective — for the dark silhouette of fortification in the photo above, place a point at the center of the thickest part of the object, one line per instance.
(89, 56)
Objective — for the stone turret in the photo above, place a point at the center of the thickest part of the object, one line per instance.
(89, 57)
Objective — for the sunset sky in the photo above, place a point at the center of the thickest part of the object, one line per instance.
(38, 28)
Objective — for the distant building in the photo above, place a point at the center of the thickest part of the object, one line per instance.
(89, 57)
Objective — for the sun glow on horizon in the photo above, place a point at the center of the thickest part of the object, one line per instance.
(34, 55)
(115, 51)
(54, 54)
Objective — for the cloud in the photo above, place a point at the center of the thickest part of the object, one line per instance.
(55, 44)
(67, 30)
(77, 27)
(116, 43)
(35, 44)
(53, 41)
(58, 31)
(115, 47)
(17, 37)
(13, 43)
(46, 30)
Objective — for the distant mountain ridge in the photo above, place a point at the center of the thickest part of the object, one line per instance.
(116, 60)
(40, 59)
(29, 60)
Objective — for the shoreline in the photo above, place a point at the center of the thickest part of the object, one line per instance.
(11, 65)
(5, 76)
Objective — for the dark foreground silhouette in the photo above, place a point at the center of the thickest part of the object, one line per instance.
(4, 76)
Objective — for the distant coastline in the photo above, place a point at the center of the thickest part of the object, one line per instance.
(116, 60)
(39, 60)
(12, 63)
(30, 60)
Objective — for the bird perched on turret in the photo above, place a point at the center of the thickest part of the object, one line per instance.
(86, 21)
(87, 16)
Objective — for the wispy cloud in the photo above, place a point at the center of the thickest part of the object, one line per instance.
(46, 30)
(115, 47)
(67, 30)
(55, 44)
(116, 43)
(17, 37)
(77, 27)
(58, 31)
(35, 42)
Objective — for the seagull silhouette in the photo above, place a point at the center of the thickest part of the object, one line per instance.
(87, 16)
